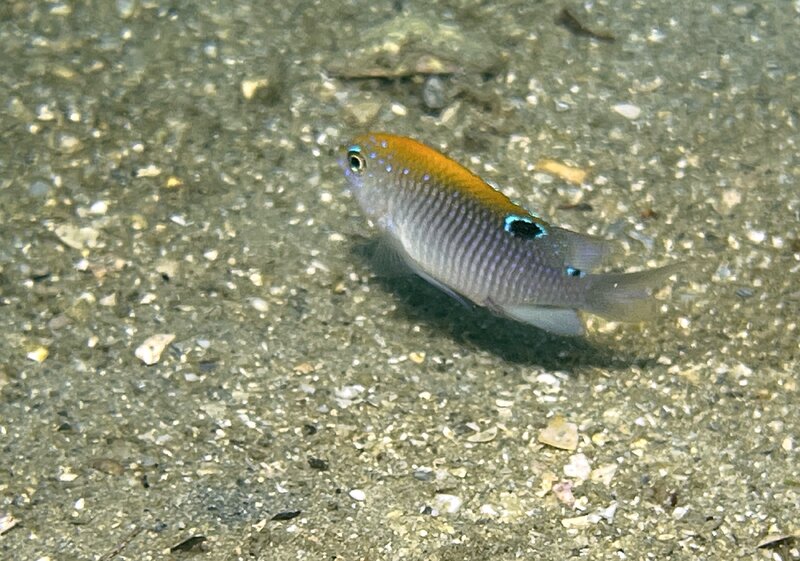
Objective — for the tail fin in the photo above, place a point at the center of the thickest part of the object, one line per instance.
(627, 296)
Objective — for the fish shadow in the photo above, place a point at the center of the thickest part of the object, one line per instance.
(477, 328)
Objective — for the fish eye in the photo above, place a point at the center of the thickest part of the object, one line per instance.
(356, 161)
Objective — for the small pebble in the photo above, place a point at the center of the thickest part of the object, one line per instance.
(756, 236)
(349, 392)
(433, 93)
(484, 436)
(627, 110)
(604, 474)
(731, 198)
(69, 144)
(424, 474)
(99, 207)
(307, 368)
(108, 466)
(364, 111)
(174, 182)
(7, 522)
(578, 467)
(67, 476)
(399, 110)
(251, 87)
(126, 8)
(44, 113)
(150, 350)
(76, 237)
(39, 354)
(570, 174)
(416, 358)
(563, 492)
(148, 171)
(358, 495)
(448, 504)
(578, 522)
(38, 188)
(259, 304)
(560, 434)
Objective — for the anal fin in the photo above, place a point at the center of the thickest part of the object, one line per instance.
(560, 321)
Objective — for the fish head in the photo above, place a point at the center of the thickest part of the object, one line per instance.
(369, 164)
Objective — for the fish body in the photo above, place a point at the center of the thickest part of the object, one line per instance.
(462, 235)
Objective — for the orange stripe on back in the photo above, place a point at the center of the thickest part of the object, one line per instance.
(444, 172)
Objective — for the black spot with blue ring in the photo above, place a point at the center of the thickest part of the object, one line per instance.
(523, 227)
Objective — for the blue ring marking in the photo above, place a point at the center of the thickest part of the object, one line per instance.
(355, 148)
(511, 219)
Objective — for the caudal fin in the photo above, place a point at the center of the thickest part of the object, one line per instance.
(627, 296)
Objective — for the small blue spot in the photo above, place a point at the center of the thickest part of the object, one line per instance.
(383, 144)
(405, 171)
(426, 177)
(373, 155)
(573, 272)
(389, 168)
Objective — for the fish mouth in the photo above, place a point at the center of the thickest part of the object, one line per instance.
(342, 161)
(341, 158)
